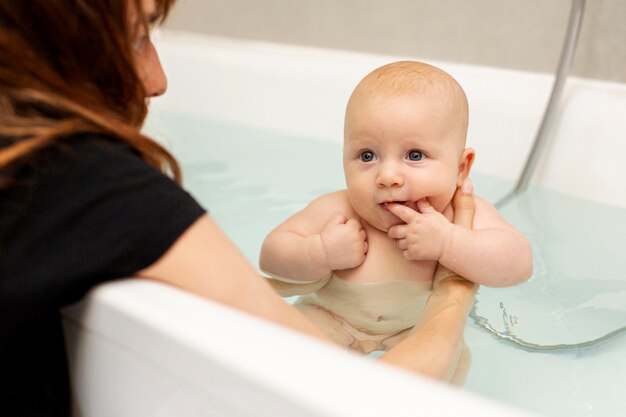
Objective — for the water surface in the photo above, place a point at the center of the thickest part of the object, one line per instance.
(534, 345)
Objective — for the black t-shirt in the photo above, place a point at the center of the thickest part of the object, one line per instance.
(85, 212)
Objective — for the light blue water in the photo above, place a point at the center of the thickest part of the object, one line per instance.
(577, 296)
(252, 180)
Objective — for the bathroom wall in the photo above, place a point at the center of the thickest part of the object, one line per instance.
(525, 35)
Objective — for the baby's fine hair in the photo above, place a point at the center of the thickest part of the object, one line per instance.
(409, 76)
(413, 77)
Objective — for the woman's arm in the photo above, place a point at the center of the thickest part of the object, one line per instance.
(204, 261)
(435, 345)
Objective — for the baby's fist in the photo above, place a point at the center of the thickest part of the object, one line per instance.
(344, 242)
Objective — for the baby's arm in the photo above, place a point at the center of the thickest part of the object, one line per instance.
(493, 254)
(314, 242)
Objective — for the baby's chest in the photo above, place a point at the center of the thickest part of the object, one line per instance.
(385, 262)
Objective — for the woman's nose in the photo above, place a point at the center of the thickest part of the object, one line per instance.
(389, 175)
(154, 78)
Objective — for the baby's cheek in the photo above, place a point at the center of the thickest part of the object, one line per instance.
(446, 199)
(448, 212)
(440, 203)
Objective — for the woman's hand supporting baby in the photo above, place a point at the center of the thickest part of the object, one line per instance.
(435, 346)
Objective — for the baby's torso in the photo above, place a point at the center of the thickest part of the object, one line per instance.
(385, 294)
(384, 261)
(375, 308)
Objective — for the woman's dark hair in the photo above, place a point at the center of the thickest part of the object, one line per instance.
(66, 67)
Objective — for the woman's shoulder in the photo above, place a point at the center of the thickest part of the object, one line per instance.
(96, 145)
(92, 158)
(64, 154)
(102, 209)
(83, 168)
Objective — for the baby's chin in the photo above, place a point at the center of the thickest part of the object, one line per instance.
(381, 219)
(386, 224)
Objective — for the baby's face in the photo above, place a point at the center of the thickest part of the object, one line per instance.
(400, 149)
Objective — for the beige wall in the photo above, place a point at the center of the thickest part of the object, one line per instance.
(520, 34)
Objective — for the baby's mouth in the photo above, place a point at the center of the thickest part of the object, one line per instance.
(404, 203)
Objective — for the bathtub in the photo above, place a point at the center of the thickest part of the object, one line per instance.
(139, 348)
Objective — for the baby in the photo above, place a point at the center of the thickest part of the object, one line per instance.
(368, 253)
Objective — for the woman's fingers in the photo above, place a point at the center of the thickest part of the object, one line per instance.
(463, 204)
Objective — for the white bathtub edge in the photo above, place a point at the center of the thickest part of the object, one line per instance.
(181, 337)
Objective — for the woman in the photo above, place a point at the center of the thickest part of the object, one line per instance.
(84, 198)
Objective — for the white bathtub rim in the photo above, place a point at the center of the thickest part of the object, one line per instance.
(193, 40)
(146, 318)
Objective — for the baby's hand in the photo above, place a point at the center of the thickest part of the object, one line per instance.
(425, 234)
(345, 243)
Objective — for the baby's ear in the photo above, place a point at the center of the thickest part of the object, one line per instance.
(465, 165)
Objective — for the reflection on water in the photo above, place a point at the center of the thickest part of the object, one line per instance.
(577, 295)
(252, 180)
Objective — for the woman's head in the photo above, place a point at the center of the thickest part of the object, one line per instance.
(86, 49)
(147, 61)
(78, 65)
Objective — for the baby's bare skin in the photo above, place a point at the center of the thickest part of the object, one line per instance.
(404, 157)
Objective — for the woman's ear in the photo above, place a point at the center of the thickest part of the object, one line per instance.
(465, 165)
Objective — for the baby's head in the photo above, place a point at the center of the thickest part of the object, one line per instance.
(419, 81)
(404, 139)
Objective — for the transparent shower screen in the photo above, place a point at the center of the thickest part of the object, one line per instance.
(577, 295)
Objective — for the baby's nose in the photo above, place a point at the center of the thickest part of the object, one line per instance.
(389, 176)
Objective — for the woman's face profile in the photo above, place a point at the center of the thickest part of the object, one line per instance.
(147, 60)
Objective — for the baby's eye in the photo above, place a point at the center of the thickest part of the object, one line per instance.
(367, 156)
(415, 155)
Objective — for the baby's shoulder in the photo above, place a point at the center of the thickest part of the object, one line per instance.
(334, 198)
(481, 203)
(483, 206)
(319, 211)
(486, 214)
(336, 202)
